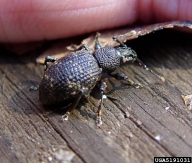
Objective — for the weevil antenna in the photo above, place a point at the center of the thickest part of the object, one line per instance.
(148, 69)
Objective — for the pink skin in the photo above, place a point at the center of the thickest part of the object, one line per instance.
(32, 20)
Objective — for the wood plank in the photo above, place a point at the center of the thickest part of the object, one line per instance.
(159, 124)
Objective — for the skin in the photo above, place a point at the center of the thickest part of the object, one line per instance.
(35, 20)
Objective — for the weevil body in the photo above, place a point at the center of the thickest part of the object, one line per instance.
(67, 76)
(75, 75)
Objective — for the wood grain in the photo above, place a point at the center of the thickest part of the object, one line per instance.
(159, 124)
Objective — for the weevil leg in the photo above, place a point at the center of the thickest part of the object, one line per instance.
(122, 76)
(118, 41)
(80, 47)
(97, 44)
(48, 59)
(83, 91)
(103, 86)
(74, 47)
(84, 47)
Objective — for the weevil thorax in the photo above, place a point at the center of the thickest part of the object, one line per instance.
(107, 58)
(126, 54)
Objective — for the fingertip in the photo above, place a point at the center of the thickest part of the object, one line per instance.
(51, 20)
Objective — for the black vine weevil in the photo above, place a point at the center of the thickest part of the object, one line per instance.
(76, 74)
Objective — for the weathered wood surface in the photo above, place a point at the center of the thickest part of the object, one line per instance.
(159, 124)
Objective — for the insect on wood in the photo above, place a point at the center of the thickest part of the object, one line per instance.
(75, 75)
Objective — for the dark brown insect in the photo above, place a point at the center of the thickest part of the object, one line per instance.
(75, 75)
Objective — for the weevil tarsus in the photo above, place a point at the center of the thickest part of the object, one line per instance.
(47, 60)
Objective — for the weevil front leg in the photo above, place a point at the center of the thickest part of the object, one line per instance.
(103, 86)
(97, 44)
(122, 76)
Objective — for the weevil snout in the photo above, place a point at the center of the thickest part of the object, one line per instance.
(126, 54)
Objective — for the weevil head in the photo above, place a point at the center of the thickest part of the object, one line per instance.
(126, 54)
